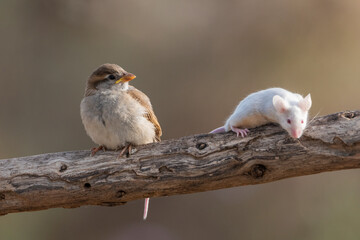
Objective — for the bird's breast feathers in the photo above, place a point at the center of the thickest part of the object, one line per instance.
(113, 118)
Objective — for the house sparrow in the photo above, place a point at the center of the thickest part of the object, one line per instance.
(116, 115)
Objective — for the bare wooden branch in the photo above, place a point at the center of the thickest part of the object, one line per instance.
(186, 165)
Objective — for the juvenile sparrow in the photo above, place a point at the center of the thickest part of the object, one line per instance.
(116, 115)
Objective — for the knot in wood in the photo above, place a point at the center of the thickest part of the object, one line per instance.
(257, 171)
(120, 193)
(348, 115)
(201, 146)
(63, 168)
(2, 196)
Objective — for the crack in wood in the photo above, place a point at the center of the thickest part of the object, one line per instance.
(165, 169)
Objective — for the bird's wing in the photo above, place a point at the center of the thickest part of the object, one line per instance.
(150, 115)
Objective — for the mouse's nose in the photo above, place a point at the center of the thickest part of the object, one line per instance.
(296, 133)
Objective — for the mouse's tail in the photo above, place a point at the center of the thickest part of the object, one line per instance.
(146, 208)
(219, 130)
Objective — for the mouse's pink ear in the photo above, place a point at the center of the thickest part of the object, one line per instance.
(280, 104)
(305, 104)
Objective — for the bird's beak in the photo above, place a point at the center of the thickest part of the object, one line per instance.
(127, 77)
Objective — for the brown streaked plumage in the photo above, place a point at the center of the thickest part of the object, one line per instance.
(150, 115)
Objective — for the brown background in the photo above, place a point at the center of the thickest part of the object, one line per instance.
(196, 60)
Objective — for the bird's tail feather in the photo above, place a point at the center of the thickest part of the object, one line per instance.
(218, 130)
(146, 208)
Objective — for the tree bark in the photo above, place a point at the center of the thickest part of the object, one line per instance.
(187, 165)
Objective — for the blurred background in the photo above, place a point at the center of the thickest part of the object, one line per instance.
(195, 60)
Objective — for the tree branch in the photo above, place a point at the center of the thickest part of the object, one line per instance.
(187, 165)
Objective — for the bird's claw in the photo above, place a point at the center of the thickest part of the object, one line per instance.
(95, 150)
(126, 149)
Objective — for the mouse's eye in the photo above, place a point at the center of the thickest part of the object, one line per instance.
(302, 121)
(289, 121)
(111, 77)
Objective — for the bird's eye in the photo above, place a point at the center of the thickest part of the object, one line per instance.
(289, 121)
(302, 121)
(111, 77)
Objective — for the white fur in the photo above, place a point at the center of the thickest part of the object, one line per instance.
(123, 116)
(305, 104)
(272, 105)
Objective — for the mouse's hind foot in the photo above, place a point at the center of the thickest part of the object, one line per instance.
(243, 132)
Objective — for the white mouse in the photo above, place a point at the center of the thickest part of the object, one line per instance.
(275, 105)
